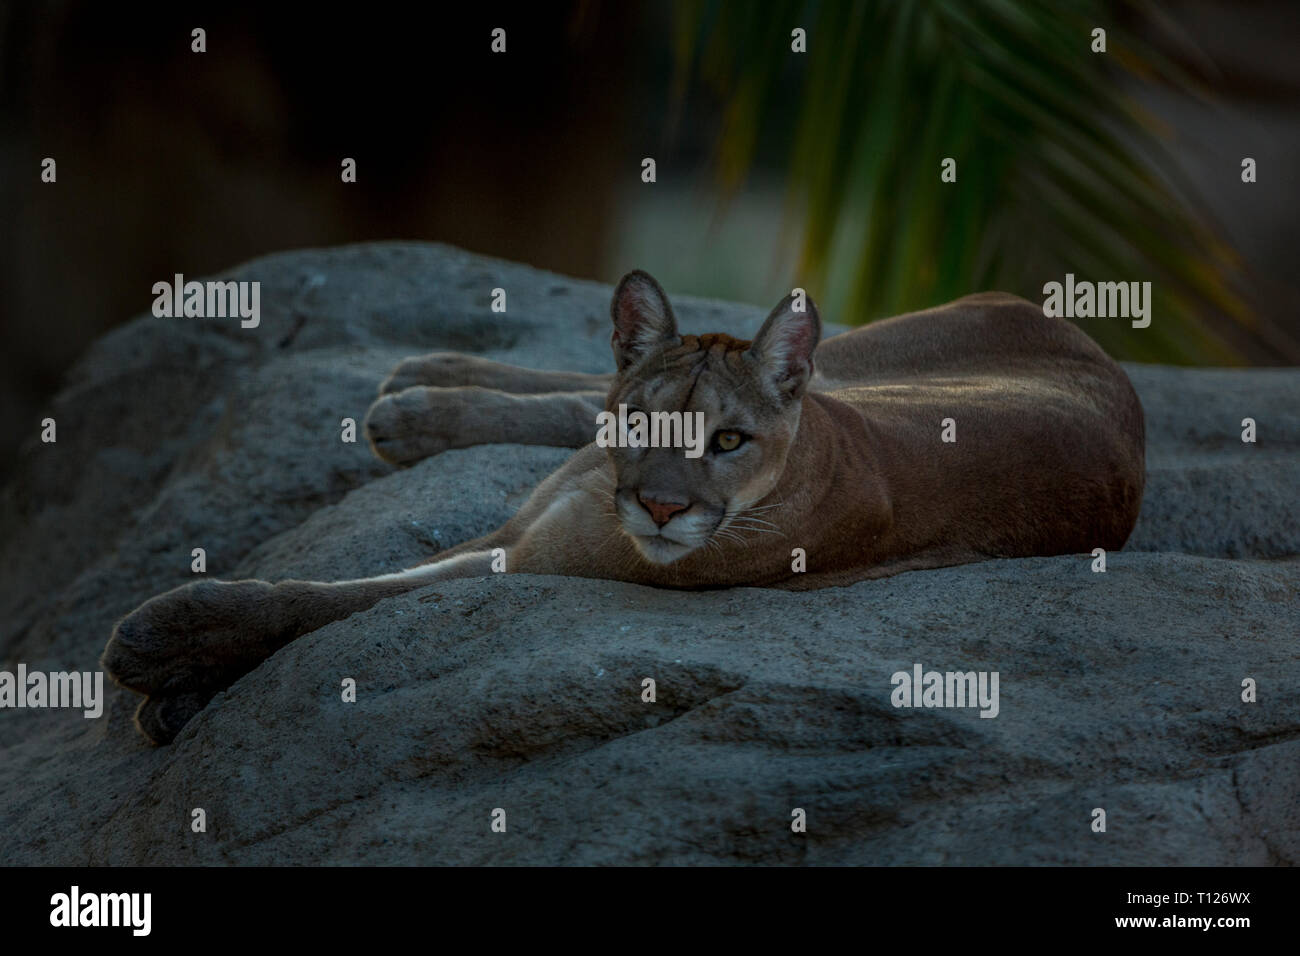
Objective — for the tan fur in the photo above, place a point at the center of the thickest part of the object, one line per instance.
(845, 462)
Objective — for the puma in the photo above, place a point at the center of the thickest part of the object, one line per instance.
(974, 430)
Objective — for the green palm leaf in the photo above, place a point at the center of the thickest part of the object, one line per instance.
(1058, 171)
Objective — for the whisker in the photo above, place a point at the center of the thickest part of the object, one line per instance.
(735, 528)
(752, 518)
(756, 529)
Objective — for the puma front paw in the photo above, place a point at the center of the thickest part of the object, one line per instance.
(414, 423)
(439, 369)
(182, 647)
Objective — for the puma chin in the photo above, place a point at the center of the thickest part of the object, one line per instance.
(683, 533)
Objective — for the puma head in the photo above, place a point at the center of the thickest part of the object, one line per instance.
(750, 394)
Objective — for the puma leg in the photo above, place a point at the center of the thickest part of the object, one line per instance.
(182, 647)
(453, 369)
(404, 427)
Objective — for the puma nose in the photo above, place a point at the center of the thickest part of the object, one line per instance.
(661, 511)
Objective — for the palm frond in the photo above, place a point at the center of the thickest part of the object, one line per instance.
(1058, 170)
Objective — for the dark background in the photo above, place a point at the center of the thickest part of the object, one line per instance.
(171, 161)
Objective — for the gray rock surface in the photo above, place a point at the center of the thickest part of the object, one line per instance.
(1119, 691)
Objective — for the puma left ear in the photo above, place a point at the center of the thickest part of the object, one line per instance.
(785, 344)
(643, 319)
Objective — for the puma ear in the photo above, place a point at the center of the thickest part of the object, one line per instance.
(785, 344)
(643, 319)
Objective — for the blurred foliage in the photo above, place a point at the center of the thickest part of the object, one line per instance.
(1057, 170)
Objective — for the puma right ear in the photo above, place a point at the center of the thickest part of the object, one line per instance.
(785, 344)
(643, 319)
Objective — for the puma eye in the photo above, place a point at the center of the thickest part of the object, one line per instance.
(728, 441)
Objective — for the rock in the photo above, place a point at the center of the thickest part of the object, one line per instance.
(1119, 690)
(1207, 491)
